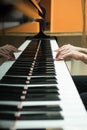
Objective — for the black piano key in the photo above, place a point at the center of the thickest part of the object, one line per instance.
(42, 116)
(5, 88)
(41, 93)
(18, 64)
(44, 70)
(43, 87)
(50, 97)
(11, 93)
(26, 56)
(45, 60)
(43, 74)
(28, 53)
(13, 80)
(40, 108)
(44, 80)
(42, 90)
(7, 116)
(18, 73)
(4, 107)
(19, 70)
(44, 67)
(16, 68)
(42, 63)
(25, 59)
(10, 97)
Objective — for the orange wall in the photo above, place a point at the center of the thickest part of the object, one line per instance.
(66, 16)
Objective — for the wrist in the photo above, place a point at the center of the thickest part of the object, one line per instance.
(84, 58)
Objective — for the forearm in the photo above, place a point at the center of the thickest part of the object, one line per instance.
(84, 50)
(83, 58)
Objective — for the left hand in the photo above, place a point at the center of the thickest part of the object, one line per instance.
(7, 51)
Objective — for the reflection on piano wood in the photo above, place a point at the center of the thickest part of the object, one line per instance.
(17, 13)
(37, 92)
(28, 8)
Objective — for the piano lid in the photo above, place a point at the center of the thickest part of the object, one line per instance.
(18, 12)
(28, 8)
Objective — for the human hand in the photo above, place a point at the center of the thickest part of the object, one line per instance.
(68, 51)
(7, 51)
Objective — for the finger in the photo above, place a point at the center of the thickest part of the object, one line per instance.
(14, 49)
(11, 56)
(63, 55)
(4, 55)
(11, 48)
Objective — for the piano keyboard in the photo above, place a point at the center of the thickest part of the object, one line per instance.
(37, 92)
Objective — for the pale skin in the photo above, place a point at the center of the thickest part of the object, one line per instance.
(70, 51)
(7, 51)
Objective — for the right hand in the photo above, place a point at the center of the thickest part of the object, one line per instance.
(68, 51)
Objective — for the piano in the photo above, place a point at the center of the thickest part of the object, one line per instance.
(37, 92)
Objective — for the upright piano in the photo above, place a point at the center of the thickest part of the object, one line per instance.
(37, 92)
